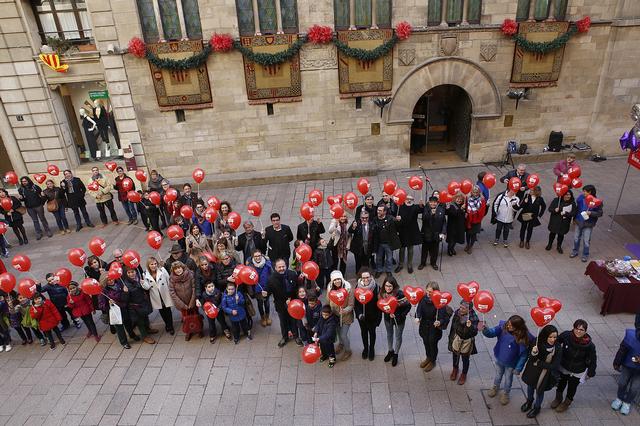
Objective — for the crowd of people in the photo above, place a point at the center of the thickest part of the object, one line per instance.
(198, 280)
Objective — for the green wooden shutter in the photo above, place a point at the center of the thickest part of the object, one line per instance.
(541, 10)
(474, 12)
(267, 14)
(363, 13)
(148, 21)
(289, 13)
(244, 10)
(434, 11)
(522, 13)
(192, 19)
(383, 13)
(341, 14)
(454, 11)
(170, 20)
(561, 9)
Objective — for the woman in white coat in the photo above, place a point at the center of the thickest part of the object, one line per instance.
(156, 281)
(504, 210)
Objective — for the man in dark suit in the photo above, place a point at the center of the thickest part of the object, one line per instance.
(278, 237)
(189, 198)
(521, 173)
(74, 192)
(385, 240)
(309, 232)
(433, 220)
(282, 284)
(249, 241)
(362, 241)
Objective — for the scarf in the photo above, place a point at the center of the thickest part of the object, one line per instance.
(94, 178)
(259, 264)
(583, 341)
(69, 185)
(371, 286)
(181, 279)
(474, 203)
(550, 352)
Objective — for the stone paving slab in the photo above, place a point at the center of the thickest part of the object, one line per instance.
(178, 382)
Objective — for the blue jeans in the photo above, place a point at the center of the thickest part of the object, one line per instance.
(37, 215)
(539, 396)
(343, 336)
(584, 234)
(61, 219)
(130, 209)
(503, 370)
(399, 328)
(628, 384)
(384, 251)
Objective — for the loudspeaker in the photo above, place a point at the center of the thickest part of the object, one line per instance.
(555, 141)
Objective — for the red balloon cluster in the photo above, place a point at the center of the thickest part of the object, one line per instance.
(546, 310)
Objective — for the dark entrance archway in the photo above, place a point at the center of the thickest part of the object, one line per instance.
(441, 126)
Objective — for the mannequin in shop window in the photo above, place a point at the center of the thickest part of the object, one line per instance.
(89, 125)
(112, 126)
(101, 117)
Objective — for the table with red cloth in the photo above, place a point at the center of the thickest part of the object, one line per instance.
(618, 297)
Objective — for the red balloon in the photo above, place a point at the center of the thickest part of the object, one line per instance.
(576, 183)
(303, 252)
(198, 175)
(363, 295)
(445, 197)
(248, 275)
(468, 290)
(40, 178)
(413, 294)
(515, 184)
(97, 246)
(53, 170)
(6, 203)
(11, 178)
(115, 271)
(483, 302)
(542, 316)
(489, 180)
(311, 353)
(210, 257)
(254, 208)
(21, 262)
(350, 200)
(111, 165)
(155, 198)
(560, 189)
(399, 196)
(234, 220)
(592, 202)
(7, 282)
(171, 194)
(315, 197)
(237, 270)
(415, 183)
(131, 258)
(453, 187)
(127, 184)
(389, 186)
(77, 256)
(3, 228)
(388, 305)
(306, 211)
(296, 309)
(93, 186)
(27, 288)
(90, 286)
(441, 299)
(336, 211)
(564, 179)
(339, 297)
(210, 310)
(331, 200)
(154, 239)
(466, 186)
(64, 276)
(141, 175)
(547, 302)
(134, 196)
(574, 172)
(175, 232)
(186, 212)
(214, 202)
(532, 181)
(210, 214)
(311, 269)
(362, 185)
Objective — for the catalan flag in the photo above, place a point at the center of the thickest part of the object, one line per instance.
(52, 60)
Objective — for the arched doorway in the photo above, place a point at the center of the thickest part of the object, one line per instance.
(441, 126)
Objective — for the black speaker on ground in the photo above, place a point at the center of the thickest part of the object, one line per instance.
(555, 141)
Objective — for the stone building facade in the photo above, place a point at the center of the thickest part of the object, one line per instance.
(324, 132)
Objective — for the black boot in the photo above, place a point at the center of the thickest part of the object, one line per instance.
(372, 353)
(365, 352)
(526, 406)
(388, 357)
(394, 361)
(533, 413)
(548, 247)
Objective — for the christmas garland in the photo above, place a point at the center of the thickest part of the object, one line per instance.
(364, 54)
(510, 28)
(266, 59)
(193, 61)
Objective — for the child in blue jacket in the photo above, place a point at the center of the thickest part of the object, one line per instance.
(233, 306)
(325, 334)
(58, 296)
(510, 351)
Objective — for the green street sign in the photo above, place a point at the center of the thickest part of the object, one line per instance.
(98, 94)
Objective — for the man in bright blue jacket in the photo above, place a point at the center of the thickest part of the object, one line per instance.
(627, 362)
(588, 213)
(233, 307)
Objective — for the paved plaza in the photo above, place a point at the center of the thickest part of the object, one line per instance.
(195, 382)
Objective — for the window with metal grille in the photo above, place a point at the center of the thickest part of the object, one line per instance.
(64, 20)
(270, 18)
(360, 14)
(454, 12)
(541, 10)
(163, 20)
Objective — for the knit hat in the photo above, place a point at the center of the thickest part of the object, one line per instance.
(176, 249)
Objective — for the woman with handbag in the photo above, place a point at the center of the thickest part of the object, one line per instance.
(138, 306)
(541, 372)
(31, 195)
(533, 207)
(57, 204)
(156, 282)
(464, 328)
(113, 298)
(503, 211)
(476, 209)
(13, 216)
(339, 242)
(562, 211)
(183, 293)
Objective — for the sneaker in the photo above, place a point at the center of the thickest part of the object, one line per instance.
(249, 337)
(332, 362)
(126, 346)
(505, 244)
(43, 342)
(77, 324)
(323, 358)
(1, 348)
(235, 341)
(52, 346)
(493, 391)
(624, 410)
(97, 338)
(299, 341)
(616, 404)
(63, 342)
(8, 348)
(573, 254)
(504, 398)
(282, 342)
(91, 225)
(496, 242)
(584, 258)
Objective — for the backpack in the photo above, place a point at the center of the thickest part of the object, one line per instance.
(512, 147)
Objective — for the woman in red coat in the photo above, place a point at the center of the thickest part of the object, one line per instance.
(476, 208)
(48, 317)
(82, 306)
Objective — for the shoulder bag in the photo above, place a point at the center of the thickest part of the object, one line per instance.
(52, 206)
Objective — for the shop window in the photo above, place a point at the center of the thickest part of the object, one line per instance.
(542, 9)
(366, 14)
(63, 19)
(169, 20)
(454, 12)
(270, 19)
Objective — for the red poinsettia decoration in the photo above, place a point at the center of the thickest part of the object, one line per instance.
(319, 34)
(221, 42)
(509, 27)
(137, 47)
(583, 24)
(404, 30)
